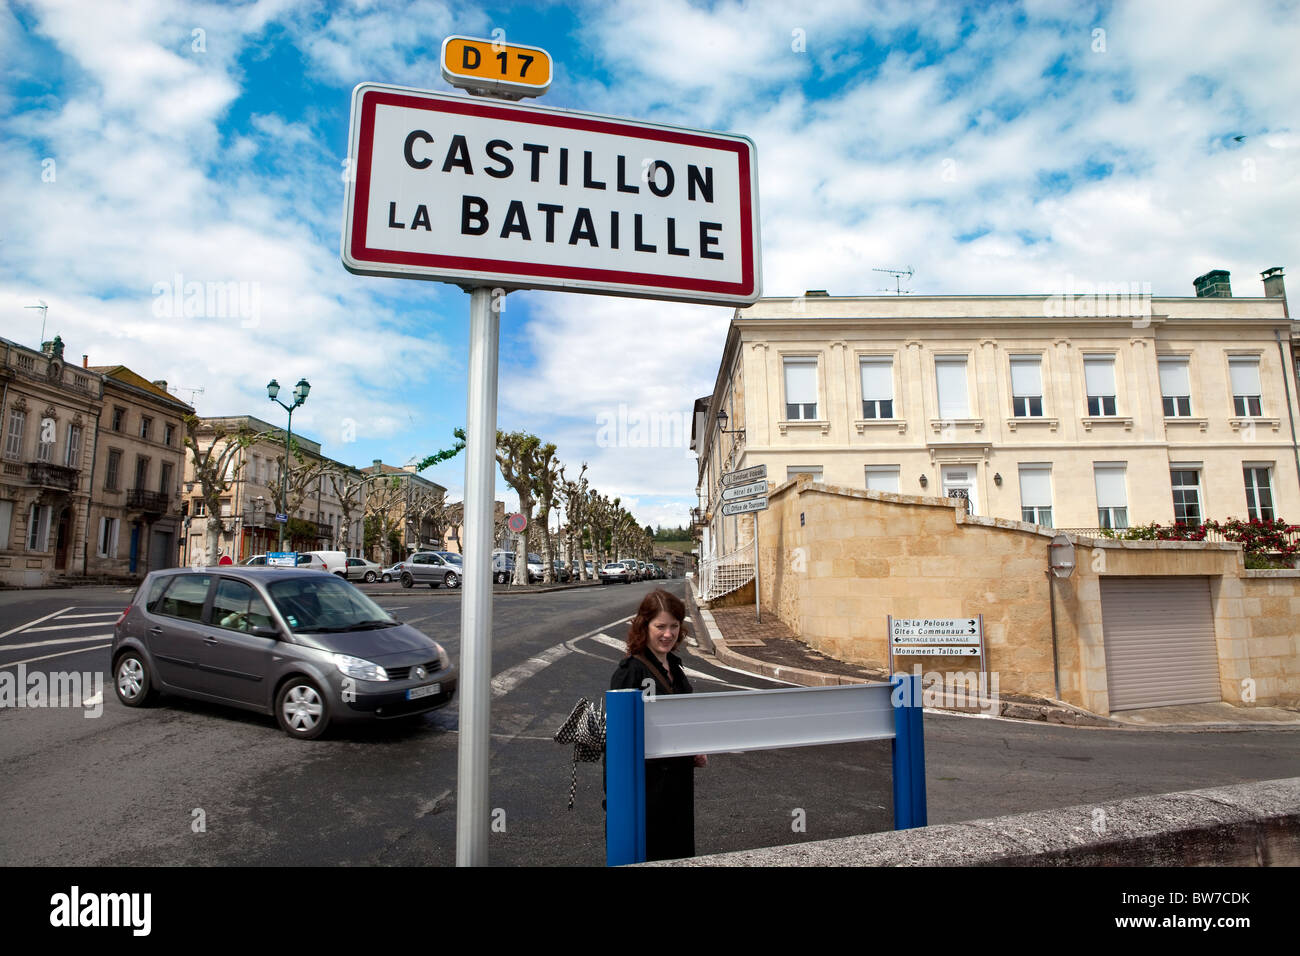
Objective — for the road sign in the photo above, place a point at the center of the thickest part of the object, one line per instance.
(484, 193)
(517, 523)
(947, 630)
(282, 518)
(744, 507)
(501, 69)
(745, 475)
(282, 559)
(754, 490)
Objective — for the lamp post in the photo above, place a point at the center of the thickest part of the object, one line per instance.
(300, 392)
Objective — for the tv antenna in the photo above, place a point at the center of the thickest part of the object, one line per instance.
(45, 310)
(898, 279)
(193, 390)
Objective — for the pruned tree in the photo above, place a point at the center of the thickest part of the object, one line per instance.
(546, 479)
(519, 456)
(216, 468)
(289, 495)
(348, 488)
(388, 503)
(573, 493)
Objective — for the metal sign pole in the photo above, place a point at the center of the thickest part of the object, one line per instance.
(472, 817)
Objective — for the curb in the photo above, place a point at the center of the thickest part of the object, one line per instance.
(1048, 711)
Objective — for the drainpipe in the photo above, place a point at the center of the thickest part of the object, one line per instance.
(90, 498)
(1286, 383)
(1051, 602)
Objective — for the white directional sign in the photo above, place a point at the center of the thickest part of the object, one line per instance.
(744, 507)
(757, 489)
(745, 475)
(955, 630)
(483, 193)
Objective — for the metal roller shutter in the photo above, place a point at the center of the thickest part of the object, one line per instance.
(1159, 635)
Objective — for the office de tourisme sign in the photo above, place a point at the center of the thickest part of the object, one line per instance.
(484, 193)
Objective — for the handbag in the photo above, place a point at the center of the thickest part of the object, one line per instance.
(585, 729)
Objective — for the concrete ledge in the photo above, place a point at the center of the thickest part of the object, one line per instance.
(1253, 824)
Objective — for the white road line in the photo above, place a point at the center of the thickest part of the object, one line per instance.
(63, 627)
(690, 672)
(512, 677)
(69, 617)
(94, 701)
(37, 621)
(57, 640)
(33, 660)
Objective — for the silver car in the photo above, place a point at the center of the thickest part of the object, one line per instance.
(307, 647)
(434, 568)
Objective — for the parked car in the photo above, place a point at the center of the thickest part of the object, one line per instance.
(615, 572)
(431, 568)
(334, 562)
(308, 648)
(633, 568)
(359, 569)
(393, 573)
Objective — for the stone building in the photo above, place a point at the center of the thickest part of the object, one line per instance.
(407, 513)
(1066, 411)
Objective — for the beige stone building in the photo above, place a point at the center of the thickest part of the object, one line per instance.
(135, 512)
(1065, 411)
(414, 525)
(50, 410)
(248, 506)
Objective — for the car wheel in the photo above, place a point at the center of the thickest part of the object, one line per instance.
(370, 577)
(301, 709)
(500, 577)
(131, 680)
(451, 580)
(407, 580)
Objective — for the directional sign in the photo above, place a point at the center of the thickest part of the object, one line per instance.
(757, 489)
(490, 66)
(745, 475)
(282, 518)
(483, 193)
(744, 507)
(957, 630)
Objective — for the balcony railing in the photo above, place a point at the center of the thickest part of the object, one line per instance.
(150, 502)
(45, 475)
(260, 518)
(719, 576)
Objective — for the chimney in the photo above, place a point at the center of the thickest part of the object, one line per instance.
(85, 361)
(378, 462)
(1274, 288)
(816, 293)
(161, 383)
(1213, 285)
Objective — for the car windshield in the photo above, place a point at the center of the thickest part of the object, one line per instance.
(451, 558)
(326, 604)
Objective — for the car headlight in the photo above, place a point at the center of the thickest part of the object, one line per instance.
(358, 668)
(443, 660)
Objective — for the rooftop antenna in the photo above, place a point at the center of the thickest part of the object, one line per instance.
(193, 390)
(898, 279)
(45, 310)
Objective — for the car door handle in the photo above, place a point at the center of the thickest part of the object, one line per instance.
(155, 630)
(211, 641)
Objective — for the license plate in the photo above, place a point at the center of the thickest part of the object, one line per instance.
(415, 693)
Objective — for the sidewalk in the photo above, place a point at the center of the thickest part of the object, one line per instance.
(771, 649)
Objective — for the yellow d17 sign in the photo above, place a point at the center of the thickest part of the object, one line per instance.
(489, 66)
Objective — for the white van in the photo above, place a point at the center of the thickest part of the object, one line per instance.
(335, 562)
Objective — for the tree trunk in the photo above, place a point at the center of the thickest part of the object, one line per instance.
(214, 540)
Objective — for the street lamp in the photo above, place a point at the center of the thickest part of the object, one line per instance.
(722, 424)
(300, 392)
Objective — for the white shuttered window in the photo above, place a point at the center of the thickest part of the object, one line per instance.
(950, 375)
(801, 388)
(1112, 495)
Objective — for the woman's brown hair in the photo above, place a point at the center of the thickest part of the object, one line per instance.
(656, 602)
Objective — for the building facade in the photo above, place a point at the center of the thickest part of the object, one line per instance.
(138, 463)
(1071, 412)
(50, 415)
(416, 508)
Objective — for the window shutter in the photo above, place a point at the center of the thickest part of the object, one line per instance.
(1244, 373)
(1174, 381)
(877, 380)
(950, 374)
(1026, 377)
(1035, 487)
(1099, 374)
(112, 551)
(800, 381)
(1111, 492)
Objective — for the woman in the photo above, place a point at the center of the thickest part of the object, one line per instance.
(655, 632)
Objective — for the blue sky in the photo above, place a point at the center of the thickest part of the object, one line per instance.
(995, 148)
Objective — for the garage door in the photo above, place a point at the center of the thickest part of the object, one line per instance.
(1159, 635)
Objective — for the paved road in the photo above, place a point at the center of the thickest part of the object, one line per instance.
(132, 786)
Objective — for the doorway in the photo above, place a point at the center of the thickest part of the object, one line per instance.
(959, 482)
(63, 540)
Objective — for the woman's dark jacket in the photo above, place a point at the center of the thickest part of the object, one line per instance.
(669, 781)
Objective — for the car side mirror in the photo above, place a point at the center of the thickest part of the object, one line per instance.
(263, 631)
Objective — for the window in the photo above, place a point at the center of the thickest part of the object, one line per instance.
(45, 440)
(38, 528)
(165, 480)
(14, 435)
(113, 470)
(1186, 484)
(6, 522)
(1259, 492)
(1175, 386)
(108, 537)
(882, 478)
(1099, 376)
(225, 507)
(1026, 386)
(141, 473)
(238, 607)
(800, 388)
(1243, 370)
(119, 418)
(794, 471)
(73, 457)
(146, 424)
(169, 432)
(186, 597)
(950, 376)
(1112, 496)
(200, 508)
(877, 387)
(1036, 494)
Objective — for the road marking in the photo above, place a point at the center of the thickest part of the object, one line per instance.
(94, 701)
(57, 640)
(37, 621)
(63, 627)
(690, 671)
(69, 617)
(33, 660)
(512, 677)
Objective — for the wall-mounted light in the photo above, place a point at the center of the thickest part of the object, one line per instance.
(924, 481)
(997, 479)
(722, 424)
